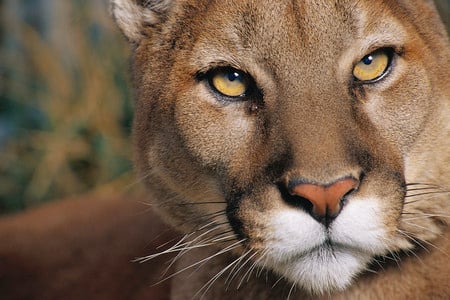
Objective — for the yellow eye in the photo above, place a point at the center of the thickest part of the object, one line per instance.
(230, 82)
(372, 66)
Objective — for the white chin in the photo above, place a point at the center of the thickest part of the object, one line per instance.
(322, 270)
(298, 247)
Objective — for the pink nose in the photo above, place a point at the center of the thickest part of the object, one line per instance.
(326, 199)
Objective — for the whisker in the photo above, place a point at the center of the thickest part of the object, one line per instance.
(261, 267)
(396, 258)
(423, 194)
(253, 267)
(183, 246)
(427, 193)
(419, 242)
(368, 269)
(202, 219)
(218, 224)
(291, 290)
(226, 249)
(420, 216)
(276, 282)
(215, 227)
(423, 184)
(188, 247)
(379, 263)
(165, 243)
(170, 250)
(413, 239)
(421, 227)
(233, 239)
(229, 237)
(393, 257)
(263, 264)
(210, 282)
(202, 203)
(416, 256)
(174, 260)
(250, 270)
(234, 272)
(243, 277)
(212, 216)
(426, 189)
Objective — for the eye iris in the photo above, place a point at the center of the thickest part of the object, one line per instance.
(371, 66)
(229, 83)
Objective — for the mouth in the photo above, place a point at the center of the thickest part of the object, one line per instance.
(324, 268)
(327, 249)
(324, 248)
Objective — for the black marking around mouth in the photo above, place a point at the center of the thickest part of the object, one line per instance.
(232, 211)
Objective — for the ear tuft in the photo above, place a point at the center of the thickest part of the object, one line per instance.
(132, 15)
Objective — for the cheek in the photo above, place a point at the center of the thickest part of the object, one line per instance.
(400, 111)
(213, 131)
(216, 132)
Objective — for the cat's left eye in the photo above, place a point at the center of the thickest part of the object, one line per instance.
(372, 66)
(229, 82)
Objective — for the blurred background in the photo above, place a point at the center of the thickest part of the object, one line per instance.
(65, 105)
(65, 102)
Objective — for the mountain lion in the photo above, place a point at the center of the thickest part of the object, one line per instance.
(301, 146)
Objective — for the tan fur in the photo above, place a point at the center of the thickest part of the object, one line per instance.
(201, 154)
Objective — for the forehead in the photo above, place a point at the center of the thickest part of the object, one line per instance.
(267, 28)
(284, 33)
(280, 22)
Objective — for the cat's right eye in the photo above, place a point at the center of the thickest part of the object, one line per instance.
(373, 66)
(229, 82)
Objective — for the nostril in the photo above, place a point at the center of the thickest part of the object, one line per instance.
(325, 200)
(294, 200)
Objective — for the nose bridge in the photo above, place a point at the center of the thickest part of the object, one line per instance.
(318, 128)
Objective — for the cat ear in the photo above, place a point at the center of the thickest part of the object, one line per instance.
(132, 15)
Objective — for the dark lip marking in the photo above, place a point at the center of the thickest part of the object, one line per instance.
(232, 211)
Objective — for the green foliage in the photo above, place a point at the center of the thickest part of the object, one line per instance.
(64, 104)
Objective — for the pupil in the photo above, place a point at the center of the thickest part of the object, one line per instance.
(367, 60)
(233, 76)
